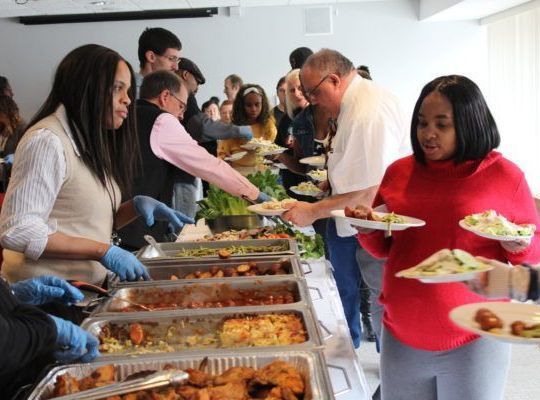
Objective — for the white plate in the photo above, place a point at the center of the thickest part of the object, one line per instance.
(280, 165)
(410, 222)
(446, 278)
(236, 156)
(463, 316)
(316, 161)
(295, 189)
(250, 146)
(316, 177)
(272, 152)
(500, 238)
(258, 209)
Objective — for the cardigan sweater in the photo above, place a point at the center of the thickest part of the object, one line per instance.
(442, 193)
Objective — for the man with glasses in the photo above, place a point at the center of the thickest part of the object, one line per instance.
(159, 49)
(165, 146)
(367, 133)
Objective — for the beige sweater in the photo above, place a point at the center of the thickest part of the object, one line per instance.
(82, 209)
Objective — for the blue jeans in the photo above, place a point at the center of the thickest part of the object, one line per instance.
(342, 252)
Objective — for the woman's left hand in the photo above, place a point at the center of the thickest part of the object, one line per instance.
(153, 210)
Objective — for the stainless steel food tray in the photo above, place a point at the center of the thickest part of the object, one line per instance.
(161, 271)
(171, 250)
(197, 325)
(309, 363)
(188, 295)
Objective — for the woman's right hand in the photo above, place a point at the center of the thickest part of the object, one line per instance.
(124, 264)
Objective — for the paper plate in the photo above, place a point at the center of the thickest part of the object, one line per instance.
(236, 156)
(272, 152)
(410, 222)
(463, 316)
(295, 189)
(258, 209)
(316, 161)
(486, 235)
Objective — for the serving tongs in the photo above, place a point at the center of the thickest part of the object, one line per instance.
(155, 380)
(96, 289)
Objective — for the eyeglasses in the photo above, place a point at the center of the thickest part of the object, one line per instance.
(313, 92)
(182, 104)
(172, 59)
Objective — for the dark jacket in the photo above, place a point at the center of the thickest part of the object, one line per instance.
(27, 337)
(154, 179)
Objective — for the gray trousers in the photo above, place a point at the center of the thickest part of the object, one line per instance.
(476, 371)
(371, 269)
(185, 196)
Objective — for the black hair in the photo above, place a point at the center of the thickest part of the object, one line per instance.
(4, 84)
(214, 99)
(476, 130)
(298, 57)
(157, 40)
(280, 82)
(158, 81)
(363, 71)
(84, 84)
(239, 116)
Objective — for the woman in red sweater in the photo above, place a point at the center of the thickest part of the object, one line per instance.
(453, 172)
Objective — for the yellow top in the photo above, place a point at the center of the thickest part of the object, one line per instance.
(227, 147)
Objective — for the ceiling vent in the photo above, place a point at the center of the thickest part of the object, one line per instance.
(318, 20)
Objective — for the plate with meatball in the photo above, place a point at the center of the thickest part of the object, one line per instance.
(505, 321)
(379, 219)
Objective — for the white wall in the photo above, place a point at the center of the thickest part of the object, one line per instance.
(402, 53)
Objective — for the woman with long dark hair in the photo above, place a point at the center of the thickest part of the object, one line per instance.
(71, 169)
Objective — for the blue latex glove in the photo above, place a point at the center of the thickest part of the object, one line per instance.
(8, 159)
(262, 197)
(152, 210)
(124, 264)
(45, 289)
(245, 132)
(75, 343)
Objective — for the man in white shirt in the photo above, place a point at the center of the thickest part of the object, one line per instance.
(370, 134)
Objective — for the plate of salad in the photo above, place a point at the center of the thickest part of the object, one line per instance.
(446, 266)
(306, 189)
(490, 225)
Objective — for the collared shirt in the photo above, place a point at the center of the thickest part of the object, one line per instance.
(170, 141)
(371, 134)
(24, 222)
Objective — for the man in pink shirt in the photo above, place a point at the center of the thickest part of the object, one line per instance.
(165, 144)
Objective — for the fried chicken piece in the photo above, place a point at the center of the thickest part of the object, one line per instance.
(198, 377)
(280, 373)
(230, 391)
(192, 393)
(102, 376)
(235, 374)
(163, 394)
(65, 384)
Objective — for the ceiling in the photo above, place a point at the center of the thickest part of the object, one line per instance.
(428, 9)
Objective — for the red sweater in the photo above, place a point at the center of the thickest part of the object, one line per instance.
(441, 194)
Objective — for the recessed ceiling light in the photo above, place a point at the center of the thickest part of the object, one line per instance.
(98, 3)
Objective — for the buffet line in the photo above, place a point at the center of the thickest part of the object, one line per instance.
(240, 319)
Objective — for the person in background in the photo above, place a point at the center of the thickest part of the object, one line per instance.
(367, 133)
(205, 131)
(231, 86)
(363, 71)
(225, 112)
(5, 87)
(279, 110)
(165, 145)
(453, 135)
(32, 339)
(11, 129)
(298, 57)
(211, 109)
(48, 226)
(250, 108)
(159, 49)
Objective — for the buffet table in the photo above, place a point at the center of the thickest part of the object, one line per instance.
(347, 377)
